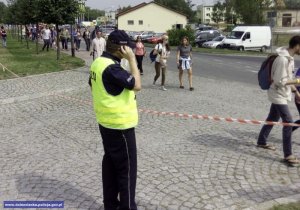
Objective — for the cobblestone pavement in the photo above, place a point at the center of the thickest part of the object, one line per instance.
(51, 147)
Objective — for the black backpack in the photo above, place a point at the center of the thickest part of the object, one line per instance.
(152, 56)
(264, 73)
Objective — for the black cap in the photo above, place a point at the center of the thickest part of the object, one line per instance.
(121, 38)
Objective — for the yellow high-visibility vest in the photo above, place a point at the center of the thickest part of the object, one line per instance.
(115, 112)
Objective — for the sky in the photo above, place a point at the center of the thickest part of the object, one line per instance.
(114, 4)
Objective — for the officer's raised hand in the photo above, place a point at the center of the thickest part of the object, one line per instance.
(127, 53)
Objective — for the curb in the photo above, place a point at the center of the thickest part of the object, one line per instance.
(279, 201)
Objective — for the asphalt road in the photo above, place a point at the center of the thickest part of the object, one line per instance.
(224, 67)
(220, 67)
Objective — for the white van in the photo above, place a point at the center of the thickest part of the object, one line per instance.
(249, 38)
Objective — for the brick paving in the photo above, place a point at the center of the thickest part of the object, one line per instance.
(51, 147)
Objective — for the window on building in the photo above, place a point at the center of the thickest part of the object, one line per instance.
(208, 15)
(141, 22)
(130, 22)
(287, 20)
(208, 8)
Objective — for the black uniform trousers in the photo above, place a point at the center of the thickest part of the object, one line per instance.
(119, 168)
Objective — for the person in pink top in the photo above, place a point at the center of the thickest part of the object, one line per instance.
(140, 52)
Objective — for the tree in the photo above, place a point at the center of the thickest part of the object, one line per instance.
(3, 10)
(292, 4)
(251, 11)
(92, 14)
(27, 12)
(58, 12)
(279, 4)
(123, 9)
(182, 6)
(218, 12)
(230, 14)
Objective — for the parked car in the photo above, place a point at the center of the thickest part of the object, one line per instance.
(143, 34)
(107, 32)
(215, 43)
(249, 38)
(204, 28)
(206, 36)
(155, 39)
(133, 35)
(147, 35)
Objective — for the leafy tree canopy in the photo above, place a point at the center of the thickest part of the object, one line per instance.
(3, 11)
(251, 11)
(92, 14)
(183, 6)
(218, 12)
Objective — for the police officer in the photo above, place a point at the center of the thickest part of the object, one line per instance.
(114, 99)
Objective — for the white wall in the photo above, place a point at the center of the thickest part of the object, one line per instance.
(155, 18)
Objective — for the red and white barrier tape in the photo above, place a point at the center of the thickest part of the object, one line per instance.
(193, 116)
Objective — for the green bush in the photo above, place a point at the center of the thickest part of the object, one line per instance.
(175, 35)
(229, 28)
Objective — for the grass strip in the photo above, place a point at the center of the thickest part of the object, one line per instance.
(24, 62)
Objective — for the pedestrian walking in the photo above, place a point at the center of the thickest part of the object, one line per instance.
(77, 39)
(140, 52)
(64, 36)
(94, 32)
(54, 38)
(3, 36)
(33, 33)
(279, 93)
(113, 91)
(162, 50)
(184, 61)
(87, 38)
(98, 45)
(46, 35)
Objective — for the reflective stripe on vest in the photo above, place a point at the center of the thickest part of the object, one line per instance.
(115, 112)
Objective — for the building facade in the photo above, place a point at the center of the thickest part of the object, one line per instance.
(283, 18)
(111, 16)
(204, 14)
(150, 17)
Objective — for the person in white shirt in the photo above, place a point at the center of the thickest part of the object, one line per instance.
(280, 94)
(46, 35)
(98, 45)
(162, 50)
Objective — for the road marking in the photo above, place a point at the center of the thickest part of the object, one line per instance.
(254, 72)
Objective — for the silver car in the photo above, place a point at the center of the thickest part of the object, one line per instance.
(215, 43)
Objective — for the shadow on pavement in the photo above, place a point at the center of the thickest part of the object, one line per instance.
(238, 145)
(43, 188)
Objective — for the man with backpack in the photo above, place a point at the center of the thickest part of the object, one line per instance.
(279, 93)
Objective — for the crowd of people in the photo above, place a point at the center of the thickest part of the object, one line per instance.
(95, 43)
(49, 36)
(162, 52)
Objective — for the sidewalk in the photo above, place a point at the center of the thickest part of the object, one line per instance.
(51, 147)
